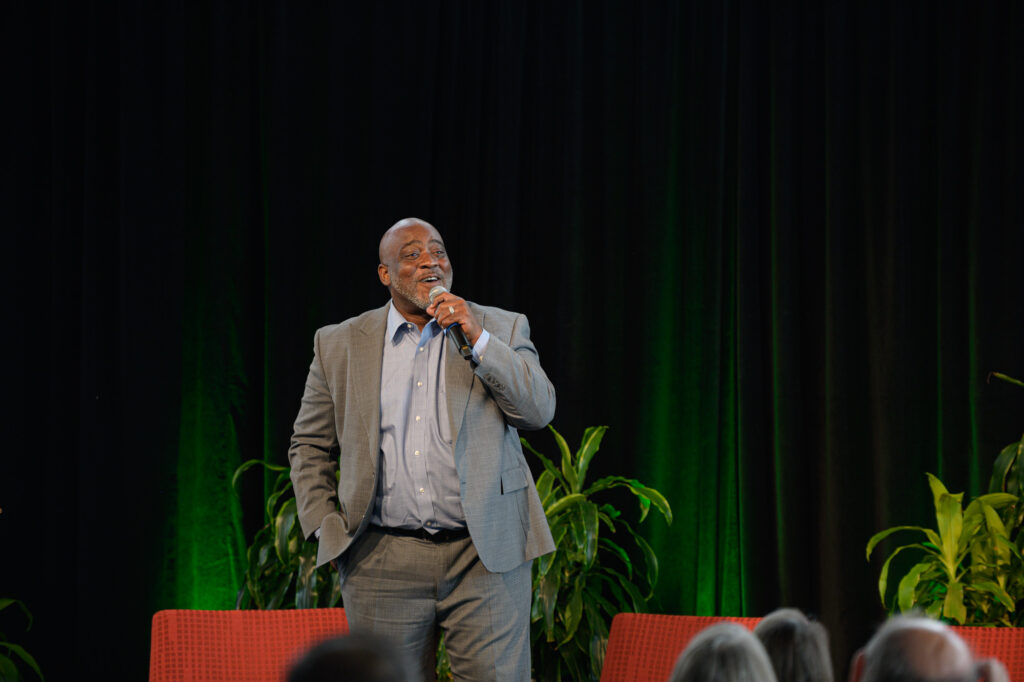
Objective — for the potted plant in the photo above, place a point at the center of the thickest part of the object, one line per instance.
(972, 570)
(590, 576)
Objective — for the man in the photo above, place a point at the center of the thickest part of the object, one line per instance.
(918, 649)
(433, 519)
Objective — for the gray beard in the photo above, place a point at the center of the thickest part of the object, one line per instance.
(421, 303)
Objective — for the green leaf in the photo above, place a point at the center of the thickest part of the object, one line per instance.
(949, 517)
(878, 537)
(996, 591)
(1006, 378)
(637, 488)
(907, 590)
(589, 446)
(548, 464)
(573, 612)
(7, 601)
(8, 671)
(883, 579)
(24, 656)
(568, 470)
(619, 552)
(953, 607)
(245, 466)
(547, 596)
(591, 527)
(650, 560)
(563, 504)
(283, 524)
(544, 483)
(306, 583)
(1006, 463)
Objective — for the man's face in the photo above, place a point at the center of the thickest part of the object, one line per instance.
(413, 261)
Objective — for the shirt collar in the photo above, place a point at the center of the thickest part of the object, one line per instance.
(397, 323)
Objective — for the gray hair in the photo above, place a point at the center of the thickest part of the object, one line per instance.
(725, 652)
(797, 646)
(919, 649)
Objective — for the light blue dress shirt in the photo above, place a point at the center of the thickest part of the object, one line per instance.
(419, 485)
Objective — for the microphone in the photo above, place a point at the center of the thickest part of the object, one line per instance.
(454, 331)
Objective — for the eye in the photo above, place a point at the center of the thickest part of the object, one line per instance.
(440, 253)
(412, 255)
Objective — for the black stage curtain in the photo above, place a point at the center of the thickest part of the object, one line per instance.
(776, 246)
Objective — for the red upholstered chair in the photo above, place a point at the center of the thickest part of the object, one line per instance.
(236, 645)
(1006, 644)
(644, 646)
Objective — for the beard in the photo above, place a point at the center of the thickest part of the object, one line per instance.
(411, 294)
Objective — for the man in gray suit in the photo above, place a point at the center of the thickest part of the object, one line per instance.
(408, 470)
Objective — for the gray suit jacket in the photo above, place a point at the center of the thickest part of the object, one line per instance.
(338, 425)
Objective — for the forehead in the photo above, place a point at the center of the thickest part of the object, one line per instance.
(413, 235)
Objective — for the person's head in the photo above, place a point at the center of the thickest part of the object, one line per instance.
(725, 652)
(413, 260)
(356, 657)
(919, 649)
(796, 646)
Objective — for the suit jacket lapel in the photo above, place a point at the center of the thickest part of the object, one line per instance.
(365, 367)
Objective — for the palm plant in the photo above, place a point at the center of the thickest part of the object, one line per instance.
(970, 571)
(589, 577)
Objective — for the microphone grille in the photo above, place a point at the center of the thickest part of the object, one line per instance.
(437, 291)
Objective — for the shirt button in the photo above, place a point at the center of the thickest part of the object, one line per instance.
(417, 417)
(417, 453)
(421, 490)
(419, 383)
(421, 350)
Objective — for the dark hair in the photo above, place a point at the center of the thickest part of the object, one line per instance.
(725, 652)
(356, 657)
(797, 646)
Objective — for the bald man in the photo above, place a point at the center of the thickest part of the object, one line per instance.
(918, 649)
(433, 519)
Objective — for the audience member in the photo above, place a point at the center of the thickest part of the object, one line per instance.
(725, 652)
(918, 649)
(356, 657)
(796, 646)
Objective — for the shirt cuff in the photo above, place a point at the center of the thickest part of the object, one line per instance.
(480, 346)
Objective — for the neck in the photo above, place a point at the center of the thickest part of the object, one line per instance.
(416, 316)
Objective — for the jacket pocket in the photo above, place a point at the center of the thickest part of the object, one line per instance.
(512, 480)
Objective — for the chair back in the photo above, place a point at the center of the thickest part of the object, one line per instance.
(1006, 644)
(643, 647)
(236, 645)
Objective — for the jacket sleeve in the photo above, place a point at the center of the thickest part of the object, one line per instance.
(510, 367)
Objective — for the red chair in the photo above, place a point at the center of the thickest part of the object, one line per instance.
(1006, 644)
(236, 645)
(644, 647)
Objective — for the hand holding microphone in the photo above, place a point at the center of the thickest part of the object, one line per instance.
(454, 317)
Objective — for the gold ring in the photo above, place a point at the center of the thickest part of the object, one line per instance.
(451, 310)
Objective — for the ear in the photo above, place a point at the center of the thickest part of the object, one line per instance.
(857, 666)
(384, 275)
